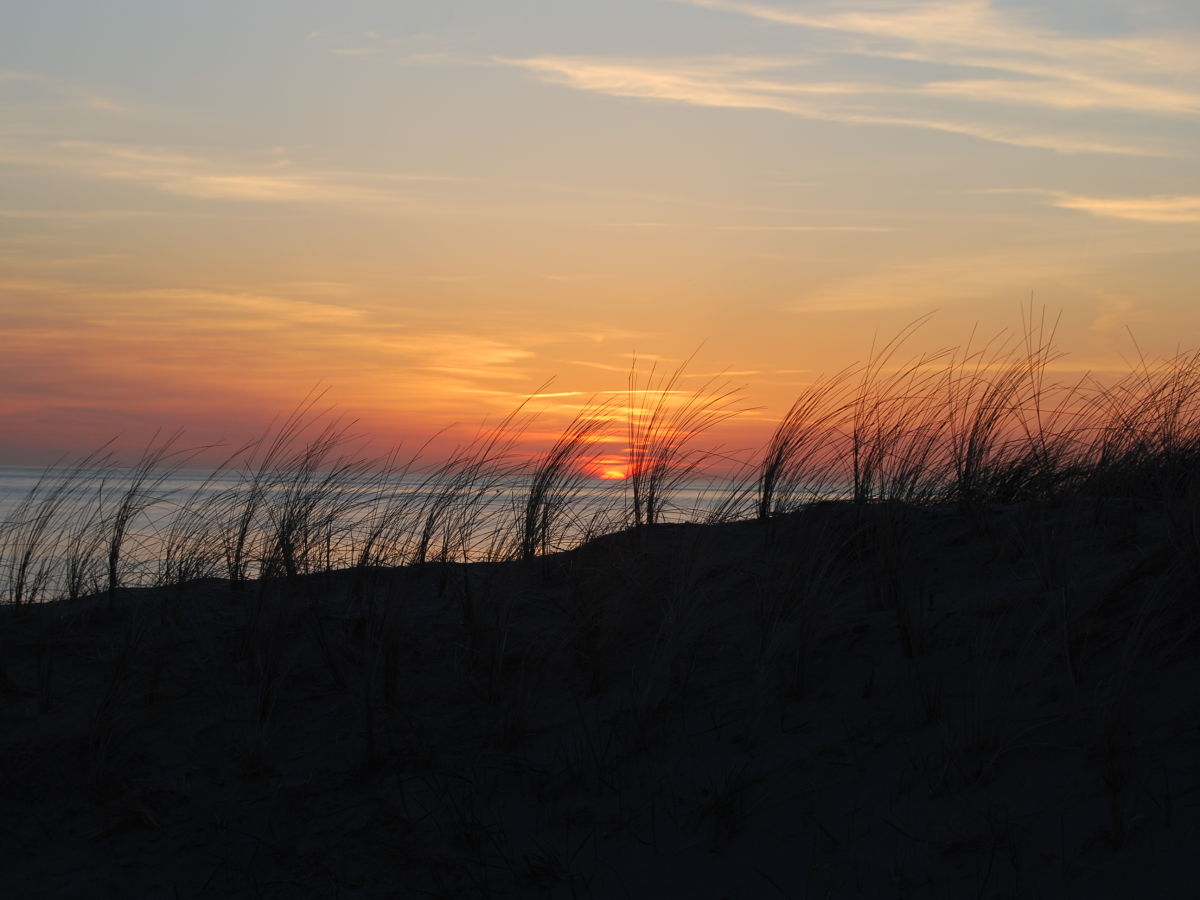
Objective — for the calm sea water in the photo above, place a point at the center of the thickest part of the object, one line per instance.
(54, 528)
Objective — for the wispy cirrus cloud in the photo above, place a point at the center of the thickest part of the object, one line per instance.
(1169, 209)
(965, 67)
(75, 215)
(978, 33)
(419, 48)
(34, 88)
(1165, 209)
(737, 82)
(239, 342)
(935, 282)
(813, 227)
(274, 180)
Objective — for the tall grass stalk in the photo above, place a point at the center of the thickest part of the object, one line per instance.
(1148, 426)
(981, 389)
(315, 491)
(459, 492)
(889, 411)
(240, 510)
(386, 517)
(557, 477)
(1049, 416)
(138, 490)
(664, 421)
(33, 534)
(190, 548)
(800, 456)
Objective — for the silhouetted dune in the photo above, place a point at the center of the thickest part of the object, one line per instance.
(878, 700)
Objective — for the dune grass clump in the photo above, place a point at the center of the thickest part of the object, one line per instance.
(556, 478)
(981, 425)
(53, 520)
(664, 422)
(798, 465)
(972, 426)
(137, 490)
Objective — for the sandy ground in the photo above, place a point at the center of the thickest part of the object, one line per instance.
(879, 702)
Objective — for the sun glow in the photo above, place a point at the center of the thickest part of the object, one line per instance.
(610, 474)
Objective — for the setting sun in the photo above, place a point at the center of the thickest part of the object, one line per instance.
(613, 474)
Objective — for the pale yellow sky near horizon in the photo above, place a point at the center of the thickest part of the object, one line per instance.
(434, 208)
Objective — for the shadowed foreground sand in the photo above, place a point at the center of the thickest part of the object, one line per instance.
(881, 701)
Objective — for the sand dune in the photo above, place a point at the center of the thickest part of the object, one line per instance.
(878, 701)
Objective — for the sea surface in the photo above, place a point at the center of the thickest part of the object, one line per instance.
(56, 525)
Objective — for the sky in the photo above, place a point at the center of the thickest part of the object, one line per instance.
(433, 209)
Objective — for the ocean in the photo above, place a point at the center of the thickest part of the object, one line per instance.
(57, 526)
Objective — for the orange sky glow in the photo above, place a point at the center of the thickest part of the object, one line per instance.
(435, 212)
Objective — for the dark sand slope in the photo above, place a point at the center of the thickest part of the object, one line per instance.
(881, 701)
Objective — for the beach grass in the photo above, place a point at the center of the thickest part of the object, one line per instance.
(937, 638)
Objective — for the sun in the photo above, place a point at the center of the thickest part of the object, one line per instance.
(613, 474)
